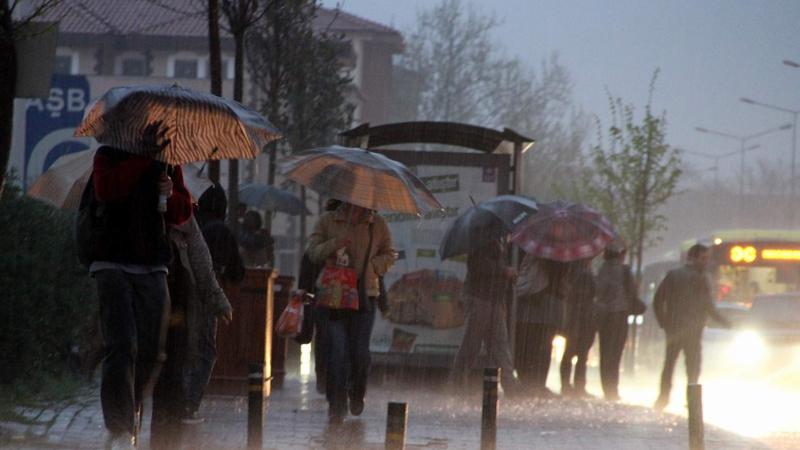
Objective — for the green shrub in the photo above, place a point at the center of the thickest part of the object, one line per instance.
(48, 301)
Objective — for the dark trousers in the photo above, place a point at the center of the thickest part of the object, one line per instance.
(577, 345)
(133, 322)
(486, 325)
(534, 347)
(689, 342)
(320, 353)
(612, 328)
(348, 357)
(169, 394)
(200, 363)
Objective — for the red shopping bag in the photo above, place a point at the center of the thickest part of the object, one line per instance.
(338, 288)
(290, 323)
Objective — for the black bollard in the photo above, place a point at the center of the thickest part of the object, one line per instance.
(396, 420)
(491, 376)
(255, 406)
(694, 398)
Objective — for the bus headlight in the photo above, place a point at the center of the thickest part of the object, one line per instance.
(748, 348)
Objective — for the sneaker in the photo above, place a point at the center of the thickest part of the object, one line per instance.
(192, 418)
(122, 441)
(356, 406)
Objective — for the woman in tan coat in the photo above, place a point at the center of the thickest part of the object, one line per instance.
(364, 238)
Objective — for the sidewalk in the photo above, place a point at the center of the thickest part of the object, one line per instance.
(297, 419)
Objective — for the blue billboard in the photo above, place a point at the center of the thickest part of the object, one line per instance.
(50, 123)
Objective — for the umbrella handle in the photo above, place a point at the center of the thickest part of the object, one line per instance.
(162, 199)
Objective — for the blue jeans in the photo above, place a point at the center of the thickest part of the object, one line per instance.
(133, 322)
(348, 354)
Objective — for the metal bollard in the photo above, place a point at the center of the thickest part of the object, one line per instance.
(396, 420)
(255, 406)
(694, 398)
(491, 376)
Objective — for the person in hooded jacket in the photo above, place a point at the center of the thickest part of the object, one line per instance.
(615, 290)
(365, 237)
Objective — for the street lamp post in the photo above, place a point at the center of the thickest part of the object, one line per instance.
(742, 149)
(713, 157)
(793, 176)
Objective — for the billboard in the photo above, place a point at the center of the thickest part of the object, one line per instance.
(426, 312)
(50, 123)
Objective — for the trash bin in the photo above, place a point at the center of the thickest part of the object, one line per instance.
(248, 338)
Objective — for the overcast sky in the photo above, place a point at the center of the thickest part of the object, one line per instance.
(710, 52)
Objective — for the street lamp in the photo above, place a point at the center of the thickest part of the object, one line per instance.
(742, 149)
(714, 157)
(794, 113)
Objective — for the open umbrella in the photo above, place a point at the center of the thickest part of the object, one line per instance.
(270, 198)
(486, 221)
(360, 177)
(62, 184)
(563, 231)
(176, 125)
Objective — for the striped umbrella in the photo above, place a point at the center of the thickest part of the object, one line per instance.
(176, 125)
(62, 184)
(564, 232)
(360, 177)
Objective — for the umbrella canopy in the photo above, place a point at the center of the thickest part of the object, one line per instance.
(63, 183)
(563, 231)
(270, 198)
(484, 222)
(360, 177)
(176, 125)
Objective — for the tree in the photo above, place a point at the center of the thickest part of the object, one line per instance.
(299, 78)
(12, 30)
(634, 175)
(455, 71)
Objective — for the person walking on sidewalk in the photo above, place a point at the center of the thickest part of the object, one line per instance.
(615, 290)
(362, 237)
(682, 305)
(128, 257)
(579, 327)
(485, 289)
(540, 312)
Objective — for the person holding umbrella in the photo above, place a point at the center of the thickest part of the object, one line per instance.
(558, 234)
(361, 239)
(579, 327)
(482, 233)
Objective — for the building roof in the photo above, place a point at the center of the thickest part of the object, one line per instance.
(176, 18)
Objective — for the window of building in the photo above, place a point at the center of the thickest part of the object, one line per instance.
(133, 67)
(186, 68)
(63, 64)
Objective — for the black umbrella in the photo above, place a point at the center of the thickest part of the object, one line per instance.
(270, 198)
(484, 222)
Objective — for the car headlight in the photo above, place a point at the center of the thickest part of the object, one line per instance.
(748, 348)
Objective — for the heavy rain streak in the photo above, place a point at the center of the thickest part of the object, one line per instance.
(360, 224)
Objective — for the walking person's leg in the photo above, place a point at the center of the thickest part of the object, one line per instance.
(474, 332)
(151, 308)
(118, 327)
(337, 366)
(605, 336)
(618, 334)
(565, 368)
(585, 341)
(543, 349)
(199, 374)
(360, 332)
(693, 354)
(320, 343)
(498, 346)
(670, 358)
(523, 354)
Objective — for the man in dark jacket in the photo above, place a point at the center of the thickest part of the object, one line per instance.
(682, 305)
(128, 259)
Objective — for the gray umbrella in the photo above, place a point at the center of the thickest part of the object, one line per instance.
(270, 198)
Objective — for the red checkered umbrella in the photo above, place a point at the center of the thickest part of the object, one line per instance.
(564, 232)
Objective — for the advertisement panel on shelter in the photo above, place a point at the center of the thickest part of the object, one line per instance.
(426, 311)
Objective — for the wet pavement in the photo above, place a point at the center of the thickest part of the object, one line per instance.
(297, 419)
